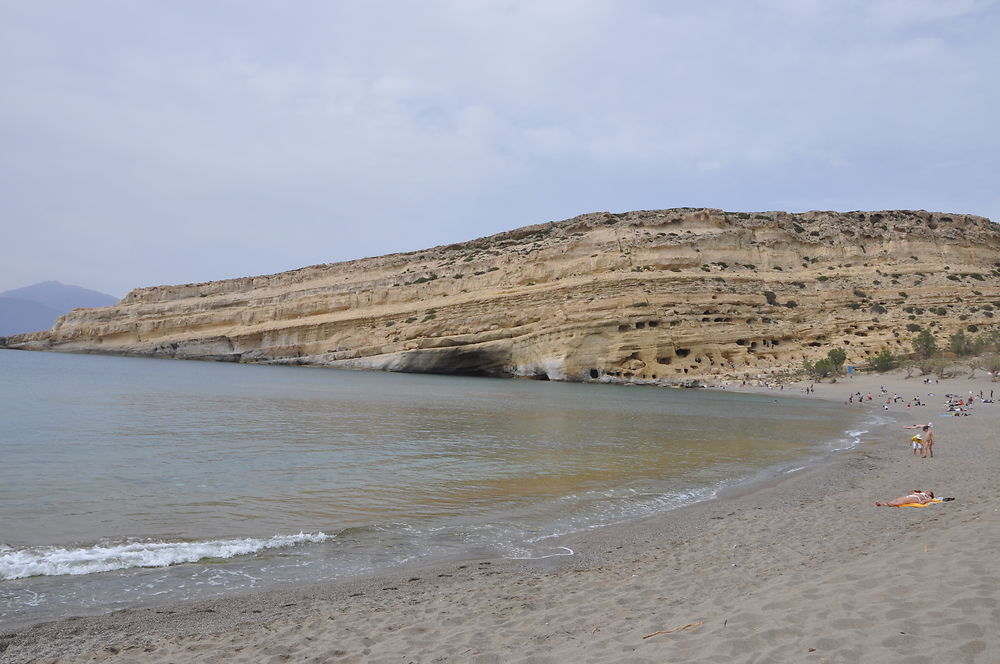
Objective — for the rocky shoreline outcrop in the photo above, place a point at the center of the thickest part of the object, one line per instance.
(680, 296)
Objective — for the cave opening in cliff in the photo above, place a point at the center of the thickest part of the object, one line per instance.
(478, 362)
(594, 373)
(472, 373)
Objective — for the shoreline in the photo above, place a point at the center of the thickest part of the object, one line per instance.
(753, 564)
(824, 448)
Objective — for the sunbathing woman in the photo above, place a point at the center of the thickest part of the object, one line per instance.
(916, 496)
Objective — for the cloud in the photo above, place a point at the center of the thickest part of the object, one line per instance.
(188, 141)
(908, 13)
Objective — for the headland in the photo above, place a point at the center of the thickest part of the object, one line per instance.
(682, 296)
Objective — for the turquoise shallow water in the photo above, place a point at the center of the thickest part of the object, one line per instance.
(128, 481)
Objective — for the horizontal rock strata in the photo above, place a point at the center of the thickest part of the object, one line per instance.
(664, 296)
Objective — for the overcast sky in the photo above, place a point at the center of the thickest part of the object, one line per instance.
(149, 143)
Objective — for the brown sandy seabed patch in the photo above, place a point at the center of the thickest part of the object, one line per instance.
(804, 569)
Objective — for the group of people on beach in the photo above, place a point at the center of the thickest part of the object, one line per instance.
(857, 396)
(884, 399)
(923, 442)
(961, 407)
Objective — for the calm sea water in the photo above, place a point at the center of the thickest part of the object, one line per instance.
(132, 481)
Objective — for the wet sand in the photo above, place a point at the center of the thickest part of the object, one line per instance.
(800, 569)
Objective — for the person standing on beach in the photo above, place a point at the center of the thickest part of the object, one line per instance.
(928, 441)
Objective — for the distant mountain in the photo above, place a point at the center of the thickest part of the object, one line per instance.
(61, 297)
(37, 307)
(18, 316)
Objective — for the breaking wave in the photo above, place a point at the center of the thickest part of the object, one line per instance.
(54, 561)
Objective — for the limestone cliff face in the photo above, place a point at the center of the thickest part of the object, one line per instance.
(667, 296)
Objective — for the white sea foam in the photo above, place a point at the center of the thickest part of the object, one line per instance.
(54, 561)
(565, 551)
(852, 437)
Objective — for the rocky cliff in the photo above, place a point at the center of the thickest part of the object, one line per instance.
(667, 296)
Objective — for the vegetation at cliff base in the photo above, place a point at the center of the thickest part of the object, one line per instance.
(963, 352)
(924, 344)
(831, 365)
(885, 361)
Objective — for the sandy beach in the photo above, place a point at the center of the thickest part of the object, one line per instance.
(800, 569)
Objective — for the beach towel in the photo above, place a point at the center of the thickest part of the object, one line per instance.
(933, 500)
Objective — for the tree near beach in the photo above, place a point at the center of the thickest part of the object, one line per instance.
(837, 357)
(992, 366)
(831, 365)
(817, 370)
(974, 353)
(940, 366)
(924, 344)
(885, 361)
(960, 344)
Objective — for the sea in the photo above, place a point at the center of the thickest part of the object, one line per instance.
(131, 482)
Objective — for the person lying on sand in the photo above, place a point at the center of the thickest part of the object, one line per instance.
(916, 496)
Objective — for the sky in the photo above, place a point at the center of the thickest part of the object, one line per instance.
(149, 143)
